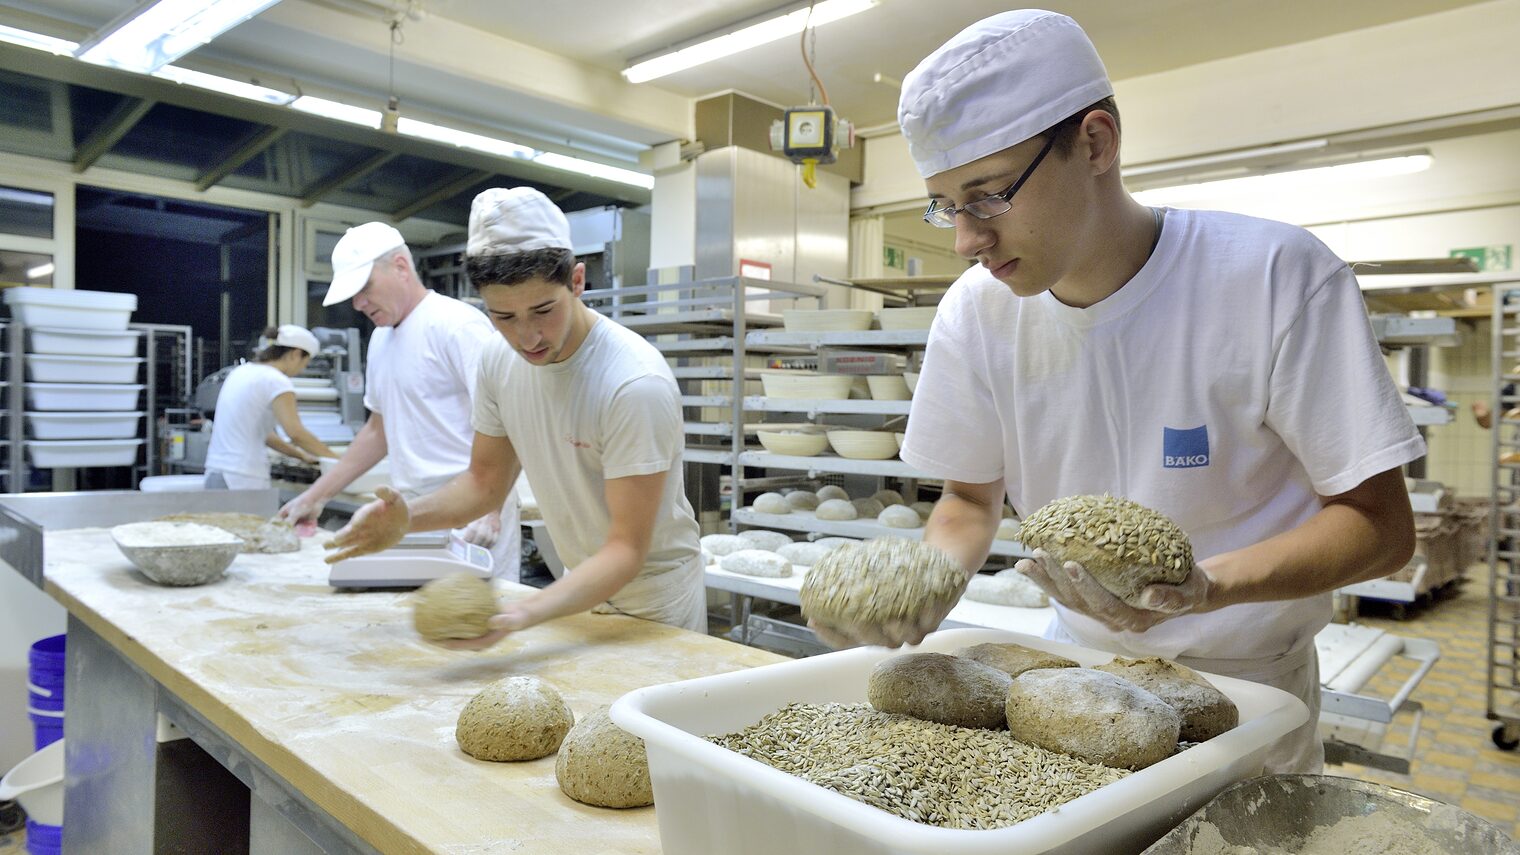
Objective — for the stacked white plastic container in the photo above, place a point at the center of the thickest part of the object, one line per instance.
(83, 391)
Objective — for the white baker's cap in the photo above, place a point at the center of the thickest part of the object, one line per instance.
(995, 84)
(354, 257)
(291, 335)
(505, 221)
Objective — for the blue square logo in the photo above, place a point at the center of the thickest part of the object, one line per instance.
(1185, 449)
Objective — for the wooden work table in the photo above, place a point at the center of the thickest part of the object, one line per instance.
(334, 713)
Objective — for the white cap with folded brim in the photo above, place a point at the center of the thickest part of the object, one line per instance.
(290, 335)
(995, 84)
(354, 257)
(506, 221)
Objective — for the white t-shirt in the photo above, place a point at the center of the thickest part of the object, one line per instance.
(612, 410)
(1230, 383)
(420, 378)
(244, 419)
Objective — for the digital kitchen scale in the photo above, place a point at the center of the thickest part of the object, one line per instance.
(416, 560)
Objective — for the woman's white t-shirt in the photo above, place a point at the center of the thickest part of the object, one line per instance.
(1231, 383)
(244, 418)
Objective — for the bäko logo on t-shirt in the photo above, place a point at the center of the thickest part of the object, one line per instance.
(1185, 449)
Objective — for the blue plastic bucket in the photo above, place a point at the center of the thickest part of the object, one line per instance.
(44, 703)
(48, 654)
(47, 727)
(44, 839)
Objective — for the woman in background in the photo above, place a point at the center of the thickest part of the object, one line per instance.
(255, 396)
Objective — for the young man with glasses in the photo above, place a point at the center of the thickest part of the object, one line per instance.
(1217, 368)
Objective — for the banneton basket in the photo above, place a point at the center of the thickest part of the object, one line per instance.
(710, 799)
(826, 320)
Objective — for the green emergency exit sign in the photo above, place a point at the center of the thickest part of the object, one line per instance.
(1488, 257)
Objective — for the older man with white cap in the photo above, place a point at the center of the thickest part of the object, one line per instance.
(1217, 368)
(590, 410)
(423, 359)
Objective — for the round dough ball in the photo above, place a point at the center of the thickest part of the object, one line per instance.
(519, 718)
(1125, 545)
(924, 509)
(603, 765)
(1015, 590)
(1205, 710)
(837, 509)
(834, 542)
(719, 545)
(900, 516)
(756, 562)
(804, 553)
(771, 503)
(868, 508)
(759, 538)
(802, 500)
(888, 498)
(455, 606)
(1008, 530)
(936, 687)
(832, 491)
(1092, 716)
(1013, 659)
(880, 581)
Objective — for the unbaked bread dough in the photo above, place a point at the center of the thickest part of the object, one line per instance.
(719, 545)
(603, 765)
(259, 534)
(832, 491)
(900, 516)
(936, 687)
(771, 503)
(803, 553)
(518, 718)
(756, 562)
(759, 538)
(867, 508)
(454, 606)
(880, 581)
(836, 509)
(1092, 716)
(1013, 659)
(802, 500)
(836, 541)
(888, 498)
(1013, 590)
(924, 509)
(1205, 710)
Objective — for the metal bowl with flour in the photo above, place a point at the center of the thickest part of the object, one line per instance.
(177, 553)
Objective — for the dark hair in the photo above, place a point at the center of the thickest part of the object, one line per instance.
(1065, 131)
(273, 352)
(550, 265)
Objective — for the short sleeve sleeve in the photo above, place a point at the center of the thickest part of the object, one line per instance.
(485, 414)
(953, 426)
(1332, 399)
(372, 358)
(641, 430)
(276, 385)
(463, 348)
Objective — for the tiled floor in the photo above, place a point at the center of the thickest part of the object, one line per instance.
(1456, 760)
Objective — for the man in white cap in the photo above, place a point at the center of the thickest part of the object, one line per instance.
(1217, 368)
(590, 410)
(423, 359)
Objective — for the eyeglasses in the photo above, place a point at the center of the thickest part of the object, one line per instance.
(986, 207)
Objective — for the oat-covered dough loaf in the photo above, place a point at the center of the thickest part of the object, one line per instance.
(1123, 544)
(760, 538)
(719, 545)
(756, 562)
(603, 765)
(1013, 659)
(900, 516)
(518, 718)
(880, 581)
(1205, 710)
(802, 500)
(832, 491)
(867, 508)
(1092, 716)
(771, 503)
(1011, 590)
(836, 509)
(259, 534)
(888, 498)
(455, 606)
(936, 687)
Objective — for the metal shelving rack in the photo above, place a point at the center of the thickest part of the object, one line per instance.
(1504, 551)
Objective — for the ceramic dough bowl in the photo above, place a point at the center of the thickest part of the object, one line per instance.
(793, 443)
(888, 387)
(180, 564)
(863, 444)
(911, 378)
(917, 318)
(826, 320)
(784, 385)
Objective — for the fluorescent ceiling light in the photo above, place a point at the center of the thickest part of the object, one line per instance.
(766, 31)
(37, 41)
(335, 110)
(166, 30)
(40, 271)
(26, 197)
(224, 85)
(594, 169)
(463, 139)
(1307, 179)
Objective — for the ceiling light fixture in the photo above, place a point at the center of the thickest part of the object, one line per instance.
(157, 33)
(788, 21)
(337, 110)
(40, 271)
(1300, 179)
(554, 160)
(224, 85)
(37, 41)
(463, 139)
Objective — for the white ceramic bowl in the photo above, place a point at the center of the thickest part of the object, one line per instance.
(863, 444)
(826, 320)
(911, 378)
(801, 385)
(794, 443)
(177, 558)
(916, 318)
(888, 387)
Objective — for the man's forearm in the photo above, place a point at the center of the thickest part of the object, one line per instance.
(367, 449)
(463, 500)
(587, 585)
(963, 529)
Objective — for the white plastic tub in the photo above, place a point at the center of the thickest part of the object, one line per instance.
(79, 397)
(58, 307)
(709, 797)
(37, 783)
(58, 368)
(83, 425)
(81, 453)
(84, 342)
